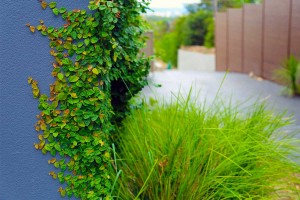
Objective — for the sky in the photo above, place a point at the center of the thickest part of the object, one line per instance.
(170, 3)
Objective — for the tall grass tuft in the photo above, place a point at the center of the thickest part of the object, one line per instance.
(187, 151)
(289, 74)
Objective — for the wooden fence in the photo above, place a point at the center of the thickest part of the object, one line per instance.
(257, 38)
(149, 48)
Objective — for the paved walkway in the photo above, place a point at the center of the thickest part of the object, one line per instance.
(239, 88)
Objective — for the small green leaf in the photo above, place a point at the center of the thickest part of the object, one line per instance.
(60, 76)
(39, 27)
(55, 134)
(88, 23)
(50, 29)
(44, 33)
(115, 57)
(92, 7)
(54, 104)
(62, 10)
(104, 34)
(95, 24)
(94, 40)
(81, 124)
(44, 151)
(102, 7)
(87, 41)
(63, 193)
(95, 71)
(46, 134)
(69, 192)
(55, 11)
(111, 27)
(79, 84)
(80, 44)
(114, 10)
(110, 4)
(94, 118)
(52, 5)
(74, 35)
(74, 95)
(57, 147)
(56, 164)
(73, 79)
(63, 167)
(65, 61)
(61, 96)
(53, 152)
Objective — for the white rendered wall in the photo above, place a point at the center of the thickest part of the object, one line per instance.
(188, 60)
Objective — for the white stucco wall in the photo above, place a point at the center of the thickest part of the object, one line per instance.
(188, 60)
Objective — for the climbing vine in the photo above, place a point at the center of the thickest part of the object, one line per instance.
(97, 69)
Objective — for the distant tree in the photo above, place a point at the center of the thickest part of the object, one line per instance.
(169, 43)
(196, 27)
(195, 7)
(209, 40)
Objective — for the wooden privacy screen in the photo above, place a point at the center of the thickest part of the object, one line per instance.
(252, 39)
(276, 35)
(259, 37)
(221, 41)
(235, 28)
(295, 28)
(149, 49)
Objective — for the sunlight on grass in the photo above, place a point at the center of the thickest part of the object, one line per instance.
(183, 150)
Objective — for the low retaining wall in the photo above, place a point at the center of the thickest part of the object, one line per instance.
(188, 60)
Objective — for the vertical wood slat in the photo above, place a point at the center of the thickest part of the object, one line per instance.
(221, 42)
(235, 30)
(148, 50)
(276, 35)
(295, 29)
(252, 39)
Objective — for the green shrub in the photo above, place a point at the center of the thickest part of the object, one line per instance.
(289, 74)
(184, 151)
(166, 44)
(196, 27)
(209, 40)
(166, 48)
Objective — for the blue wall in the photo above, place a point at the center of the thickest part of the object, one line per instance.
(24, 170)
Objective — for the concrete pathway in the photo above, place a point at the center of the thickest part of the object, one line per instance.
(237, 88)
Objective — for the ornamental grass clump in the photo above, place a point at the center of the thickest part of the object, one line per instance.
(289, 75)
(185, 151)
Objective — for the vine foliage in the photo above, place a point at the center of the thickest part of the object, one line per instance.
(97, 69)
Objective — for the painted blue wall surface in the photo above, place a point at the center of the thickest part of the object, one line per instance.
(24, 170)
